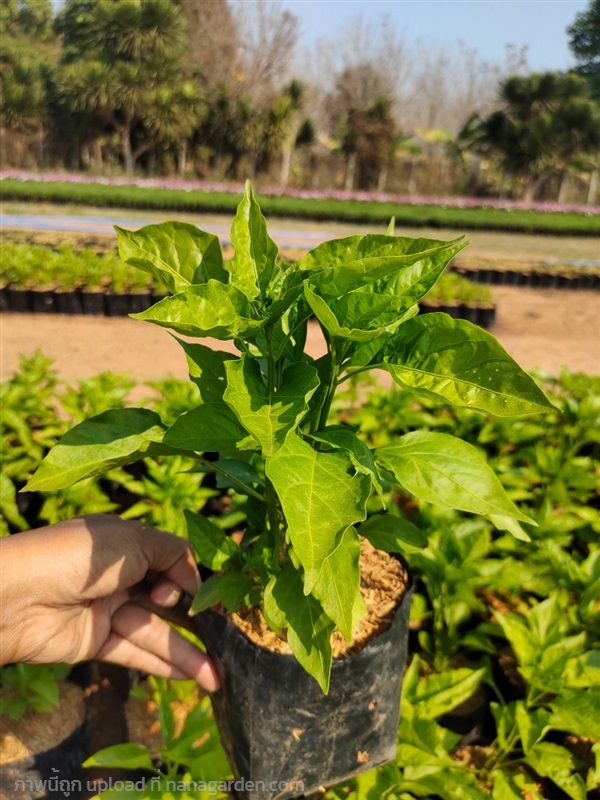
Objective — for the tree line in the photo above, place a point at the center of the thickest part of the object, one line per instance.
(220, 90)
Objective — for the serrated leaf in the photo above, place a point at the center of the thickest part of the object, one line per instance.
(267, 415)
(213, 547)
(392, 534)
(457, 362)
(255, 253)
(207, 369)
(343, 438)
(555, 762)
(309, 629)
(207, 595)
(175, 253)
(319, 499)
(211, 309)
(208, 427)
(98, 444)
(127, 756)
(338, 584)
(439, 468)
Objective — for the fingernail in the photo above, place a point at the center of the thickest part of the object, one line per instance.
(168, 597)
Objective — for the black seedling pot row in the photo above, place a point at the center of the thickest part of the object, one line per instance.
(75, 301)
(532, 278)
(98, 303)
(484, 316)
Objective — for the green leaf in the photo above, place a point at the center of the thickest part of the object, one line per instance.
(319, 497)
(504, 787)
(175, 253)
(208, 427)
(412, 265)
(583, 671)
(213, 547)
(518, 633)
(449, 783)
(207, 595)
(441, 469)
(532, 724)
(343, 438)
(338, 585)
(549, 672)
(98, 445)
(127, 756)
(360, 316)
(577, 711)
(254, 260)
(555, 762)
(211, 309)
(392, 534)
(439, 693)
(309, 629)
(207, 369)
(268, 415)
(8, 504)
(233, 589)
(458, 362)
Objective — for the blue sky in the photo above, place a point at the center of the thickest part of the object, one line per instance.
(487, 25)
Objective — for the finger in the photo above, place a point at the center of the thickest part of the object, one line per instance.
(152, 634)
(173, 557)
(117, 650)
(166, 593)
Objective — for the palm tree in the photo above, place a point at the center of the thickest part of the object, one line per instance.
(122, 64)
(546, 121)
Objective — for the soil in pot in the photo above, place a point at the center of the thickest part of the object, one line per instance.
(41, 754)
(277, 727)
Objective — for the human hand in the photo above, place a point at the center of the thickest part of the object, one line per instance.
(81, 589)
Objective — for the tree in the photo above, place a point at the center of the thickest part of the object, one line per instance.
(122, 65)
(584, 41)
(546, 121)
(369, 142)
(27, 53)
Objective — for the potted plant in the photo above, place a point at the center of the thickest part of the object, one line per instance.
(312, 571)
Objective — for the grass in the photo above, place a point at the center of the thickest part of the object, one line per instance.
(355, 211)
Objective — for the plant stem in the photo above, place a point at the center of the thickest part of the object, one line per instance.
(214, 468)
(349, 373)
(289, 336)
(337, 356)
(270, 493)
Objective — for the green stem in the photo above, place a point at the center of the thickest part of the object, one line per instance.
(270, 493)
(349, 373)
(289, 336)
(337, 356)
(214, 468)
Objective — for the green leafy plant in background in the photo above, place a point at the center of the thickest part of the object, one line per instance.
(266, 412)
(26, 686)
(191, 757)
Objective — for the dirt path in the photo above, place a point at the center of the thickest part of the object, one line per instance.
(539, 328)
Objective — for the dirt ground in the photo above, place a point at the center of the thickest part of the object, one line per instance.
(539, 328)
